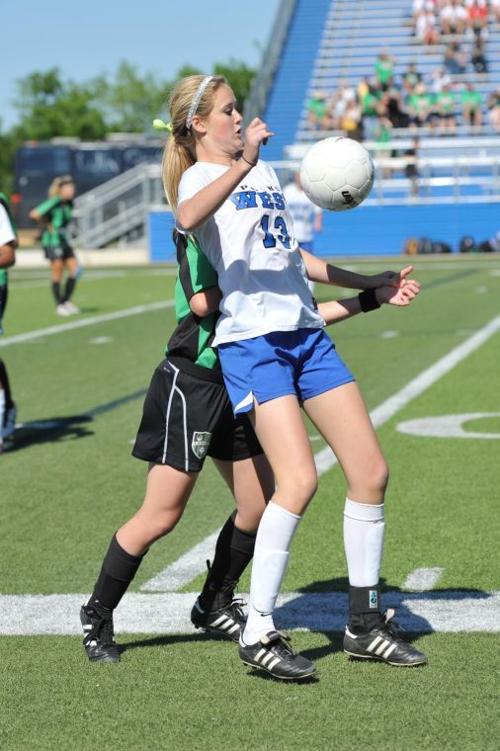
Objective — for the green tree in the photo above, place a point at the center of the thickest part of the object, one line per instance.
(130, 101)
(239, 76)
(50, 106)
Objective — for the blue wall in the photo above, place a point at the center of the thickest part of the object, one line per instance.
(369, 230)
(383, 230)
(161, 245)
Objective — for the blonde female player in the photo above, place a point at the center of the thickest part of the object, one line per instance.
(56, 212)
(187, 416)
(275, 357)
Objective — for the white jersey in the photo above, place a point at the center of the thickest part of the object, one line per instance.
(6, 232)
(250, 244)
(303, 212)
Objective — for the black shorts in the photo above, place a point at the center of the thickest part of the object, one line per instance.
(58, 252)
(186, 418)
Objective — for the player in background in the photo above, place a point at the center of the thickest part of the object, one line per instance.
(8, 245)
(307, 217)
(275, 358)
(187, 416)
(55, 213)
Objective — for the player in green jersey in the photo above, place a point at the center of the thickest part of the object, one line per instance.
(55, 213)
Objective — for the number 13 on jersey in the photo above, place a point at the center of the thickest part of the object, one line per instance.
(280, 235)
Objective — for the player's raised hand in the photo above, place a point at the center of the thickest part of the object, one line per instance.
(256, 134)
(401, 296)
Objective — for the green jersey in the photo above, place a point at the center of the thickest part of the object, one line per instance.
(384, 69)
(57, 214)
(5, 203)
(191, 342)
(446, 102)
(472, 99)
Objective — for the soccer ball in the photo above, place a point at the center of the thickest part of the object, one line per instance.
(337, 173)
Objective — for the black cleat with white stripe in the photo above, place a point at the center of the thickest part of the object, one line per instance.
(274, 655)
(383, 643)
(226, 621)
(99, 640)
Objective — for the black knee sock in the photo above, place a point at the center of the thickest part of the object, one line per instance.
(56, 291)
(70, 288)
(364, 609)
(4, 382)
(233, 552)
(118, 570)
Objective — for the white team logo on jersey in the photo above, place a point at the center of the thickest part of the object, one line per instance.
(200, 443)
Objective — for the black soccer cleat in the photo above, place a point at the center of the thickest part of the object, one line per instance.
(99, 639)
(274, 654)
(383, 643)
(227, 621)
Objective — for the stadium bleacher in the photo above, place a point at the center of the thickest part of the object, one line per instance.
(329, 42)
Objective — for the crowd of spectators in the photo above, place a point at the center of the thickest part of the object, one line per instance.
(377, 104)
(383, 102)
(434, 18)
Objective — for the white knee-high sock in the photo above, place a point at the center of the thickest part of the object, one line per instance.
(363, 542)
(274, 536)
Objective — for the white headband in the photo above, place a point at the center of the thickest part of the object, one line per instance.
(196, 100)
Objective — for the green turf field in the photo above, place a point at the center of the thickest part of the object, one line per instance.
(68, 482)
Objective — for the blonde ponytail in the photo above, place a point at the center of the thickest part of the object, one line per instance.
(180, 151)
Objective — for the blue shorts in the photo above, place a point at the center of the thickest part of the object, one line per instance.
(302, 362)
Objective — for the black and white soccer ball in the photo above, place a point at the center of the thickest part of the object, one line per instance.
(337, 173)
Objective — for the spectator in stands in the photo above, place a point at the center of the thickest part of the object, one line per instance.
(420, 5)
(478, 58)
(471, 101)
(445, 107)
(341, 100)
(351, 120)
(384, 70)
(395, 107)
(419, 105)
(494, 109)
(439, 79)
(411, 78)
(455, 60)
(368, 99)
(453, 17)
(495, 9)
(317, 111)
(478, 17)
(426, 28)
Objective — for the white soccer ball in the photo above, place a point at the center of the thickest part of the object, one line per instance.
(337, 173)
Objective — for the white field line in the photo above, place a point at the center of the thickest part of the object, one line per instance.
(83, 322)
(447, 611)
(422, 579)
(182, 574)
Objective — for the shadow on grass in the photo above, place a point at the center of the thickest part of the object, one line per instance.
(50, 430)
(171, 639)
